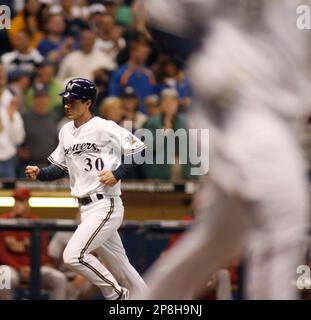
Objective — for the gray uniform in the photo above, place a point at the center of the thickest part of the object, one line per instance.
(250, 79)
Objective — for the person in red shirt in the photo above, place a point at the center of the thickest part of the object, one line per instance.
(15, 253)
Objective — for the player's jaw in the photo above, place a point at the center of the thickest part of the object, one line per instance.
(74, 110)
(78, 111)
(70, 112)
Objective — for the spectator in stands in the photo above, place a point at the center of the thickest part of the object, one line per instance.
(111, 109)
(111, 6)
(15, 253)
(20, 82)
(23, 58)
(137, 31)
(11, 129)
(168, 118)
(135, 74)
(74, 16)
(110, 38)
(171, 77)
(84, 62)
(30, 19)
(45, 74)
(41, 130)
(152, 105)
(54, 46)
(101, 78)
(96, 11)
(130, 105)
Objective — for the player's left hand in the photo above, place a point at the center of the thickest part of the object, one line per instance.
(107, 178)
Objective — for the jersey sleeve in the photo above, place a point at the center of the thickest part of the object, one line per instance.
(57, 157)
(129, 143)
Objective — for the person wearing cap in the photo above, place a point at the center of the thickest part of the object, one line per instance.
(96, 154)
(131, 111)
(45, 74)
(19, 85)
(75, 16)
(12, 132)
(41, 130)
(96, 11)
(152, 104)
(97, 8)
(15, 253)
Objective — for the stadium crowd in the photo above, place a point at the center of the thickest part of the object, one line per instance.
(51, 42)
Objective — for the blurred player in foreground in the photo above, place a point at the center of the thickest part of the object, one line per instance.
(249, 77)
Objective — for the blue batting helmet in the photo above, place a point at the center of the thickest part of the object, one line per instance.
(80, 88)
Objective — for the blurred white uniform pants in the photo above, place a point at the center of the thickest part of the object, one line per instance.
(255, 203)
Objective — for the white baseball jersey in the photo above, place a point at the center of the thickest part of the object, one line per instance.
(95, 146)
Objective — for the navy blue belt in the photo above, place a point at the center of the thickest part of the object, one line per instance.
(87, 200)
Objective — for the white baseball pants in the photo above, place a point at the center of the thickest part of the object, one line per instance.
(98, 232)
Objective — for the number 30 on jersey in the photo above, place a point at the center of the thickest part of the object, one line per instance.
(98, 164)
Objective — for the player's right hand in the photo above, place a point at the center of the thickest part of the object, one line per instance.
(32, 172)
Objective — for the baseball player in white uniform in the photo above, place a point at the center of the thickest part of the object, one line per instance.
(250, 81)
(90, 150)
